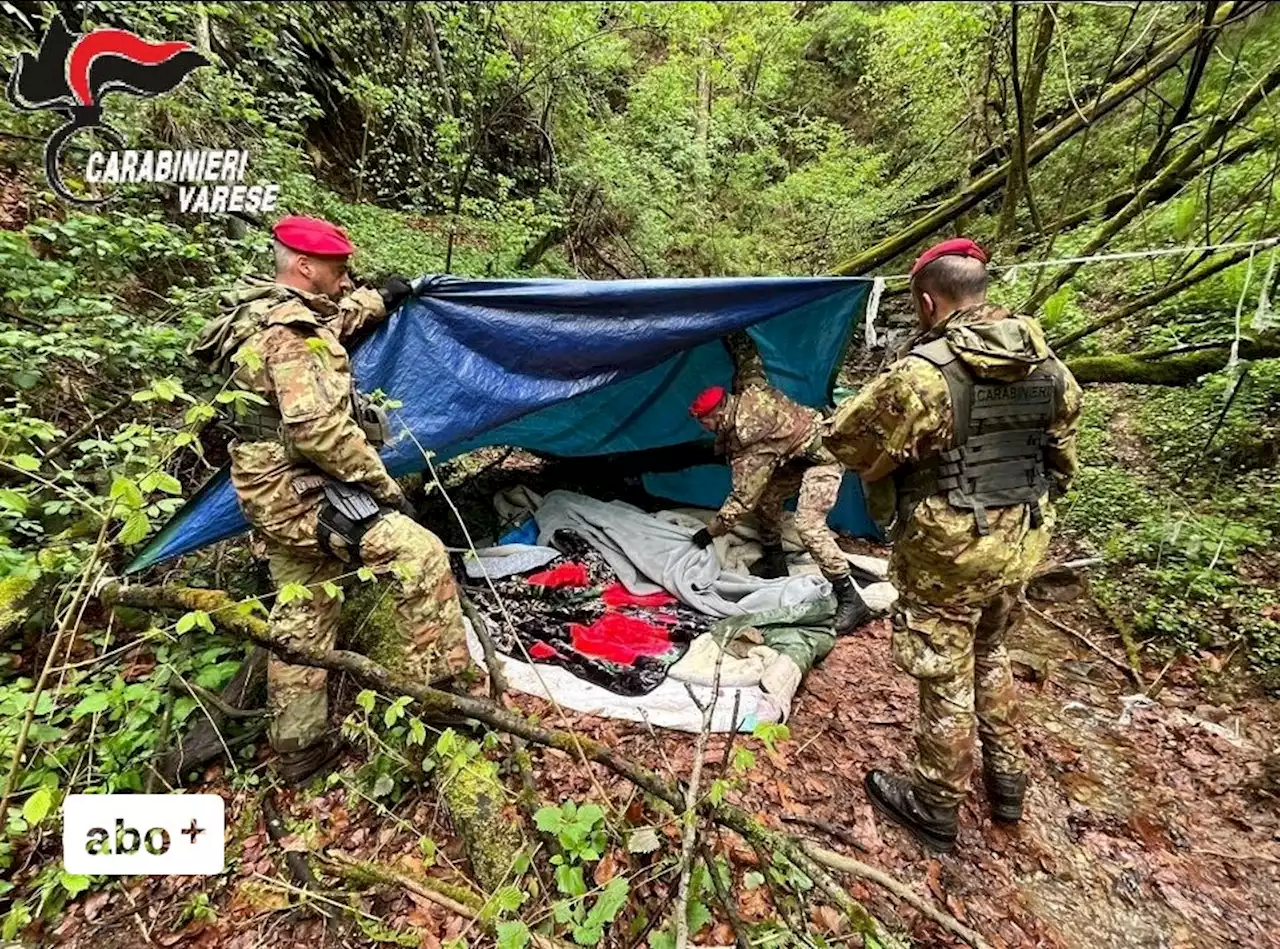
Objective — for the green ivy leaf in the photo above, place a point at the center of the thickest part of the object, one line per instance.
(428, 848)
(26, 462)
(332, 590)
(37, 806)
(417, 732)
(196, 618)
(127, 492)
(547, 819)
(365, 574)
(569, 880)
(366, 699)
(698, 916)
(753, 880)
(383, 786)
(294, 591)
(13, 501)
(73, 883)
(513, 935)
(162, 481)
(136, 526)
(508, 899)
(93, 702)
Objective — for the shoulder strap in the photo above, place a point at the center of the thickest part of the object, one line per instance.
(292, 312)
(959, 384)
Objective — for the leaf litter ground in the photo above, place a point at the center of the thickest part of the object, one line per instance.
(1149, 824)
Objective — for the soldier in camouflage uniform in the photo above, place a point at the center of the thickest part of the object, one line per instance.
(973, 429)
(775, 451)
(310, 481)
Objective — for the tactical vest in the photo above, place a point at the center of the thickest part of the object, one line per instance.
(997, 454)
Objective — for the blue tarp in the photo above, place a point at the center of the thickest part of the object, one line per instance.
(575, 368)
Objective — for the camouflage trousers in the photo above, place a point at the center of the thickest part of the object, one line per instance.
(818, 487)
(427, 612)
(959, 657)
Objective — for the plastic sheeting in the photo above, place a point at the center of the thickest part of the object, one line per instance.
(575, 368)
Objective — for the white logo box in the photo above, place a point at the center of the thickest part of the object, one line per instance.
(129, 834)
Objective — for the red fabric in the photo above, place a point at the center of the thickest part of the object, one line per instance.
(565, 575)
(707, 401)
(956, 247)
(615, 595)
(310, 235)
(620, 638)
(541, 650)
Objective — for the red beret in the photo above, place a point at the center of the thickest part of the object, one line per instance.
(956, 247)
(707, 401)
(310, 235)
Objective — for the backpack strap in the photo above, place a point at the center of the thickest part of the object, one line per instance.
(959, 384)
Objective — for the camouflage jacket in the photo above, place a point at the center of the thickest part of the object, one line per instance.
(760, 430)
(286, 347)
(905, 416)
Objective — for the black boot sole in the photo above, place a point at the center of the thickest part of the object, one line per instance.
(932, 841)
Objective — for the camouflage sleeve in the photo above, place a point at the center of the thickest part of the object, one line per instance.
(748, 367)
(1061, 453)
(313, 400)
(358, 309)
(751, 471)
(902, 415)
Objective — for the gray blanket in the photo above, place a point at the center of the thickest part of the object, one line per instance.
(649, 554)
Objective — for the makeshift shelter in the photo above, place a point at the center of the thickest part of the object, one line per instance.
(576, 368)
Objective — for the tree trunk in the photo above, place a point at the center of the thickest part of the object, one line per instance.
(1113, 204)
(1174, 371)
(438, 61)
(1000, 152)
(1037, 150)
(1191, 153)
(1194, 74)
(1025, 98)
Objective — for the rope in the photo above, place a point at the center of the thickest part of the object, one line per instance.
(1121, 255)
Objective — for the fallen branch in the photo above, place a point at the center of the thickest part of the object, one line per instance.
(216, 701)
(838, 831)
(299, 869)
(836, 861)
(1175, 371)
(229, 615)
(1076, 634)
(349, 868)
(726, 899)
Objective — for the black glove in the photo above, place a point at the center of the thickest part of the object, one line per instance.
(394, 291)
(703, 539)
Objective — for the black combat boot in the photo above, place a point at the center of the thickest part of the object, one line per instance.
(299, 767)
(935, 827)
(772, 565)
(1005, 793)
(851, 612)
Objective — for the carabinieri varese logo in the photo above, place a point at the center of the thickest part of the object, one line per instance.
(71, 73)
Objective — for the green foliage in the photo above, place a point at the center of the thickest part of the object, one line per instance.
(579, 830)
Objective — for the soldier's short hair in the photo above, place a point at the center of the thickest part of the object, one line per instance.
(284, 256)
(952, 278)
